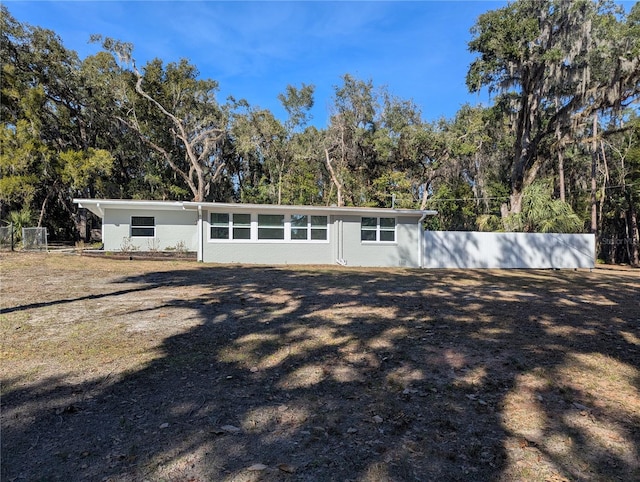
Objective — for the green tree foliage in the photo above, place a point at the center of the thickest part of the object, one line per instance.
(455, 205)
(543, 214)
(268, 168)
(18, 220)
(540, 213)
(47, 155)
(620, 195)
(557, 62)
(20, 155)
(348, 142)
(178, 118)
(565, 76)
(306, 176)
(136, 171)
(374, 147)
(260, 139)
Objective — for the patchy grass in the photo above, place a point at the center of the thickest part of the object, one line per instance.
(138, 370)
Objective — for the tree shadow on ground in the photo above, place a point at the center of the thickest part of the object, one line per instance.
(338, 374)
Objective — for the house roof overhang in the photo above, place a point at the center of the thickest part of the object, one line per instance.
(281, 208)
(97, 207)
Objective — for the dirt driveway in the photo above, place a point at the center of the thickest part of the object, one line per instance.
(178, 371)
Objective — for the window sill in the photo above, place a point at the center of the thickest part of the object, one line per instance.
(267, 241)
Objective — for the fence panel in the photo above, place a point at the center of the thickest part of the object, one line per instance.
(458, 249)
(34, 238)
(6, 237)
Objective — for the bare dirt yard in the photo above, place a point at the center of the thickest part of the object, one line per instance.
(118, 370)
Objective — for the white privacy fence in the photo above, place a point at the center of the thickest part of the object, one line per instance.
(458, 249)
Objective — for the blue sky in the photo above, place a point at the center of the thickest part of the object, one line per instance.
(417, 49)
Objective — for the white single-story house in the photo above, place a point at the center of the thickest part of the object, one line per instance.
(264, 234)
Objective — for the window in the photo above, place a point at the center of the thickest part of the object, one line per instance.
(378, 229)
(296, 227)
(387, 229)
(319, 228)
(299, 226)
(368, 229)
(241, 226)
(306, 228)
(236, 225)
(219, 226)
(143, 226)
(270, 226)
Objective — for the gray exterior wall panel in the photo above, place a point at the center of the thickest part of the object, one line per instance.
(268, 253)
(178, 223)
(404, 252)
(172, 228)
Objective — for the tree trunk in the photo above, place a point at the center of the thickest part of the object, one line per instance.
(280, 174)
(517, 189)
(633, 236)
(481, 194)
(515, 201)
(561, 176)
(43, 209)
(425, 197)
(334, 178)
(200, 193)
(523, 172)
(425, 189)
(206, 140)
(81, 225)
(605, 182)
(279, 189)
(594, 159)
(561, 186)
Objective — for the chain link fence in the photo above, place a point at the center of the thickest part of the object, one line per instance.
(34, 239)
(6, 237)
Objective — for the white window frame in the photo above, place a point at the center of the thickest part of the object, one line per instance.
(132, 227)
(238, 225)
(220, 225)
(309, 228)
(280, 227)
(254, 228)
(231, 226)
(379, 230)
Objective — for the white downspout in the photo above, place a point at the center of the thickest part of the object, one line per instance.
(421, 241)
(341, 261)
(200, 236)
(341, 238)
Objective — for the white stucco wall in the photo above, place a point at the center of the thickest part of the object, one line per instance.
(454, 249)
(173, 227)
(268, 253)
(178, 224)
(404, 252)
(256, 251)
(343, 244)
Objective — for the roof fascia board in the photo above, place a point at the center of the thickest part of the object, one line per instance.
(128, 204)
(97, 206)
(297, 208)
